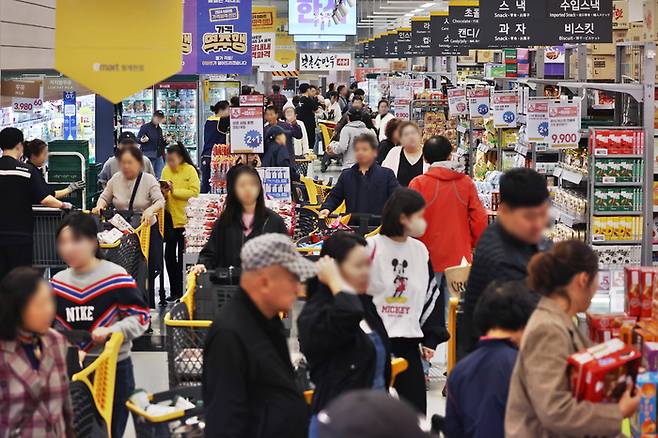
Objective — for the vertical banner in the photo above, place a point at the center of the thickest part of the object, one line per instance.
(478, 102)
(247, 130)
(276, 183)
(189, 48)
(537, 121)
(505, 107)
(70, 116)
(457, 105)
(564, 124)
(224, 29)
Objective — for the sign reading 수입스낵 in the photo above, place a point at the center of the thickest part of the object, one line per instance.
(325, 61)
(224, 31)
(113, 63)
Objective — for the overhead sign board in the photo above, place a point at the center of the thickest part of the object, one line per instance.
(314, 17)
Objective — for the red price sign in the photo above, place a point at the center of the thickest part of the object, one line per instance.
(26, 104)
(564, 124)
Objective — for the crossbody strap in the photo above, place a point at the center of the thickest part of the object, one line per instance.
(134, 193)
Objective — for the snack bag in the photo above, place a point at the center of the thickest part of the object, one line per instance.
(633, 297)
(643, 423)
(647, 286)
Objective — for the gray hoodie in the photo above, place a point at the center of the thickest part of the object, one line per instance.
(345, 144)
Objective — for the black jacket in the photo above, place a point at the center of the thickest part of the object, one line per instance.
(363, 193)
(341, 356)
(385, 147)
(155, 146)
(306, 113)
(223, 248)
(249, 387)
(499, 256)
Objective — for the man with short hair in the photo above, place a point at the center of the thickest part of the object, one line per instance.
(111, 166)
(366, 186)
(308, 105)
(506, 246)
(479, 383)
(278, 99)
(21, 188)
(343, 97)
(291, 129)
(455, 216)
(153, 143)
(249, 387)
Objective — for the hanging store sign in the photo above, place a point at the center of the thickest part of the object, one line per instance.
(263, 19)
(564, 124)
(578, 21)
(325, 61)
(224, 29)
(247, 130)
(276, 183)
(314, 17)
(421, 36)
(457, 104)
(117, 64)
(70, 116)
(188, 41)
(464, 18)
(404, 42)
(537, 121)
(262, 48)
(478, 102)
(505, 107)
(508, 22)
(285, 50)
(252, 100)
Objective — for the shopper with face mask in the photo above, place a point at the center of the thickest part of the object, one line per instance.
(404, 290)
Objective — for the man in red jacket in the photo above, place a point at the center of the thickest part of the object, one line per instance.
(454, 214)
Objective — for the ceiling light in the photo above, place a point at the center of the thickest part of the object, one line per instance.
(427, 5)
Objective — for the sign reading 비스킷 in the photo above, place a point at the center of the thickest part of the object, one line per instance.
(478, 102)
(247, 130)
(325, 61)
(505, 107)
(537, 120)
(457, 104)
(564, 124)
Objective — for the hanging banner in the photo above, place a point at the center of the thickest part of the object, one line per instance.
(276, 183)
(315, 17)
(262, 48)
(478, 102)
(325, 61)
(421, 36)
(564, 124)
(263, 19)
(247, 130)
(116, 64)
(505, 109)
(457, 105)
(252, 100)
(188, 47)
(464, 17)
(537, 121)
(224, 29)
(70, 116)
(285, 50)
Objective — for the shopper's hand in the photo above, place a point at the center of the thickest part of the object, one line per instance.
(74, 187)
(198, 269)
(144, 139)
(100, 334)
(324, 214)
(146, 216)
(628, 403)
(329, 274)
(97, 211)
(428, 353)
(66, 206)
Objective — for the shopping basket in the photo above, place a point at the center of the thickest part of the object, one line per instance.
(92, 392)
(158, 426)
(44, 247)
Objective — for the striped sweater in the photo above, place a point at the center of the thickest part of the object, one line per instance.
(104, 297)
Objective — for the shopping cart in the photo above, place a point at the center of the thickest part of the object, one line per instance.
(159, 426)
(44, 247)
(302, 165)
(92, 393)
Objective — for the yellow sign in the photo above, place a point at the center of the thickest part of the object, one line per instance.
(286, 49)
(263, 19)
(96, 47)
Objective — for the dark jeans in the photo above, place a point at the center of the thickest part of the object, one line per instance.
(154, 262)
(411, 383)
(205, 174)
(174, 248)
(124, 386)
(13, 256)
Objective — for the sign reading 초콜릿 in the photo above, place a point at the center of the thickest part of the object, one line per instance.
(325, 61)
(117, 64)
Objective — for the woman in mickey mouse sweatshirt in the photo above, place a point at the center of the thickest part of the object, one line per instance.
(404, 291)
(100, 297)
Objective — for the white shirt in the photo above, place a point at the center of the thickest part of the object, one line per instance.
(380, 124)
(337, 112)
(399, 279)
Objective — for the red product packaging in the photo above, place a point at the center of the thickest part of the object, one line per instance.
(650, 356)
(647, 288)
(605, 326)
(633, 296)
(599, 373)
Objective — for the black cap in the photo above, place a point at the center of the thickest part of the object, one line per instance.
(127, 135)
(369, 414)
(158, 113)
(10, 137)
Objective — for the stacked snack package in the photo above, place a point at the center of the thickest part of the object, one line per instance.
(643, 423)
(599, 374)
(606, 326)
(286, 210)
(641, 284)
(202, 212)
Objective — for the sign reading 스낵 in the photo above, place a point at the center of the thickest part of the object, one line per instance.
(325, 61)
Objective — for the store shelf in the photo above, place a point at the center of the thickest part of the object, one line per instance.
(635, 90)
(616, 242)
(617, 213)
(618, 184)
(566, 218)
(613, 156)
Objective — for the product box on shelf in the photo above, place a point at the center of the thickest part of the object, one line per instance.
(633, 291)
(648, 278)
(628, 141)
(643, 423)
(599, 374)
(606, 326)
(650, 356)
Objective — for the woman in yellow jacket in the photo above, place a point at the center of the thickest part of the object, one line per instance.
(180, 182)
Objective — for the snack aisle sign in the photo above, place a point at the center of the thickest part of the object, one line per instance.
(505, 109)
(276, 183)
(564, 124)
(247, 130)
(457, 105)
(325, 61)
(478, 102)
(112, 63)
(224, 31)
(537, 121)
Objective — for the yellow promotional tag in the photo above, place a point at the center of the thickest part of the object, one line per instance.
(263, 19)
(286, 48)
(116, 54)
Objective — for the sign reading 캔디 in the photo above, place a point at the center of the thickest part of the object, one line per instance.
(314, 17)
(224, 28)
(325, 61)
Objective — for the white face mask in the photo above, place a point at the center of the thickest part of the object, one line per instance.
(417, 227)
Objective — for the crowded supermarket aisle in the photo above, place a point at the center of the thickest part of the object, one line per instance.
(329, 218)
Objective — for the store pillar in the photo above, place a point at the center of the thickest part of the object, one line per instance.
(104, 129)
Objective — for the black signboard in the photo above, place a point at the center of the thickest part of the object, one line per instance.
(464, 17)
(579, 21)
(421, 36)
(510, 23)
(379, 47)
(404, 42)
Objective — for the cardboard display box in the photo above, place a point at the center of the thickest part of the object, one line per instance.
(600, 67)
